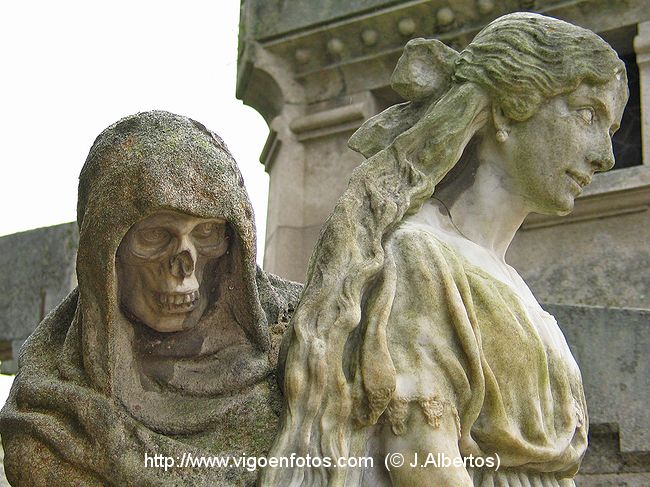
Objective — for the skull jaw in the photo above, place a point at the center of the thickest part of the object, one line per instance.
(169, 317)
(152, 296)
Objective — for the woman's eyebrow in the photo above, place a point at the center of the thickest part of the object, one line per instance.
(597, 102)
(602, 107)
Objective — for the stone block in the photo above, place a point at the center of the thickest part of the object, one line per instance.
(39, 272)
(610, 346)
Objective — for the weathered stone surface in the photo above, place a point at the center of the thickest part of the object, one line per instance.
(276, 17)
(611, 271)
(43, 274)
(169, 344)
(616, 380)
(42, 259)
(616, 388)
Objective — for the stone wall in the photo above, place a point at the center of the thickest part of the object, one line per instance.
(610, 346)
(39, 271)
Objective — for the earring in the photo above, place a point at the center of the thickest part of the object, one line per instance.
(502, 135)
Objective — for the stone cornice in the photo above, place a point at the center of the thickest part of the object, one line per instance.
(373, 40)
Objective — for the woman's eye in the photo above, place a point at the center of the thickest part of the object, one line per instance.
(587, 114)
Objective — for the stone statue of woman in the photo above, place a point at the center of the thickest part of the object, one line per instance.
(413, 336)
(168, 346)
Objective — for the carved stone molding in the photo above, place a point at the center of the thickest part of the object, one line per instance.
(328, 122)
(356, 49)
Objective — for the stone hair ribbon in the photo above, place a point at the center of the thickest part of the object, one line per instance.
(424, 70)
(422, 75)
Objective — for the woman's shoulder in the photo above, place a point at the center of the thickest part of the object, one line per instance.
(413, 235)
(416, 247)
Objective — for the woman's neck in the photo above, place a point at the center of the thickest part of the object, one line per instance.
(486, 212)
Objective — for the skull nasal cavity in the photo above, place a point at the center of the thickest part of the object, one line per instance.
(182, 265)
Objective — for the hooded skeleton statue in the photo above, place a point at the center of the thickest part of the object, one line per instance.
(168, 345)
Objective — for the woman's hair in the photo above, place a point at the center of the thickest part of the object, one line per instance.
(519, 60)
(339, 375)
(523, 59)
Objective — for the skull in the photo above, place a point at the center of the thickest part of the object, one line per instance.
(160, 267)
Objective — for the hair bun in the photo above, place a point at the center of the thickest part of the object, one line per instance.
(424, 69)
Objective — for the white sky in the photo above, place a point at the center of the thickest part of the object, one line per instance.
(68, 69)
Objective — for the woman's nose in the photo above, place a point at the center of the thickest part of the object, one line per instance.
(602, 159)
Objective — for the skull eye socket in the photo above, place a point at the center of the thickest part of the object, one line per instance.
(211, 238)
(153, 236)
(149, 242)
(205, 230)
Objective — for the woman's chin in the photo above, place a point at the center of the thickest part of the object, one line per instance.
(564, 211)
(558, 208)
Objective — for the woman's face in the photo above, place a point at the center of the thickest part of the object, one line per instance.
(549, 158)
(161, 263)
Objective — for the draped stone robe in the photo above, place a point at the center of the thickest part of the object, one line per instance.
(464, 343)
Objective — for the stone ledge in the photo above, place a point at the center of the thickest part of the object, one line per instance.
(327, 122)
(379, 32)
(614, 480)
(270, 150)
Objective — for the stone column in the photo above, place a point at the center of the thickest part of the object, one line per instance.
(307, 154)
(642, 49)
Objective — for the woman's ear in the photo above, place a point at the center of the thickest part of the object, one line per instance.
(501, 123)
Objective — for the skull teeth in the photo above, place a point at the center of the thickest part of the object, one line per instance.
(178, 301)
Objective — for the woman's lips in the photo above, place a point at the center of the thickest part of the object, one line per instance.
(582, 179)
